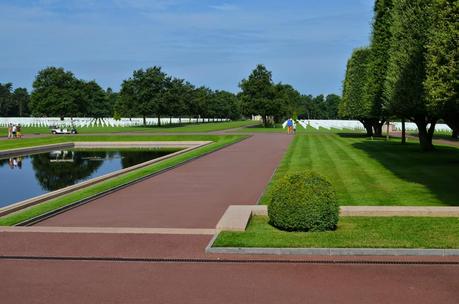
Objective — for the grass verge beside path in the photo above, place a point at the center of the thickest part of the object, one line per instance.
(30, 142)
(185, 128)
(352, 232)
(375, 172)
(219, 142)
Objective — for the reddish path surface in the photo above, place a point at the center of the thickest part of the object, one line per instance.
(192, 196)
(137, 282)
(32, 269)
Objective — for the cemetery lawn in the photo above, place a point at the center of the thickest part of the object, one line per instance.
(375, 172)
(185, 128)
(352, 232)
(38, 141)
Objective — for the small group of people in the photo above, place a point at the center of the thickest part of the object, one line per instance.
(14, 131)
(291, 126)
(15, 162)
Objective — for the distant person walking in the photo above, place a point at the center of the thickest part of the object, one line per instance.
(13, 131)
(18, 131)
(290, 126)
(10, 131)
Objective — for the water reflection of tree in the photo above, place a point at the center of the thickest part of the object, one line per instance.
(3, 162)
(131, 158)
(56, 175)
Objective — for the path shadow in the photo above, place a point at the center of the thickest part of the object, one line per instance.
(437, 170)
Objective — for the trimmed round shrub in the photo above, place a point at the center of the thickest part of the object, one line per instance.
(303, 201)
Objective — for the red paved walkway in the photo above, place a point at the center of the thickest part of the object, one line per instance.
(136, 282)
(192, 196)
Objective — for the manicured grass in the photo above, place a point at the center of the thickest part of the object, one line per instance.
(375, 172)
(30, 142)
(219, 142)
(185, 128)
(352, 232)
(299, 129)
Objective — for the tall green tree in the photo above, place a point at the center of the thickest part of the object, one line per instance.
(6, 100)
(112, 101)
(176, 96)
(13, 103)
(287, 100)
(331, 105)
(98, 104)
(56, 92)
(142, 94)
(442, 62)
(258, 94)
(354, 103)
(404, 86)
(21, 100)
(377, 62)
(227, 105)
(202, 97)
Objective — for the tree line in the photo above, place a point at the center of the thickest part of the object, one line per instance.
(274, 102)
(13, 103)
(410, 70)
(152, 93)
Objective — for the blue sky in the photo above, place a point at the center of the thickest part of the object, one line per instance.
(208, 42)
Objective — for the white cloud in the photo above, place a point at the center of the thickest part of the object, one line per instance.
(224, 7)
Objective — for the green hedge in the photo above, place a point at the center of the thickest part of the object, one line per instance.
(303, 201)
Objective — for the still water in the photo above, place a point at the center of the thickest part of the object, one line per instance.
(23, 177)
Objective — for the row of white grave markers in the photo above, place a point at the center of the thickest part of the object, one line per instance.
(82, 122)
(357, 125)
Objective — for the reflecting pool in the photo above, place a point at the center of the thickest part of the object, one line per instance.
(24, 177)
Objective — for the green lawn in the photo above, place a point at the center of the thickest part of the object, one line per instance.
(376, 172)
(186, 128)
(218, 142)
(278, 129)
(352, 232)
(29, 142)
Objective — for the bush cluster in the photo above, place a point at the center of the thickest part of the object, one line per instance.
(303, 201)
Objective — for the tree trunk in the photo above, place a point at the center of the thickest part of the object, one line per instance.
(403, 131)
(159, 120)
(144, 120)
(265, 121)
(425, 135)
(170, 120)
(452, 120)
(368, 126)
(378, 126)
(20, 108)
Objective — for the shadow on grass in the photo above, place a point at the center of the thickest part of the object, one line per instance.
(437, 170)
(352, 135)
(168, 126)
(261, 126)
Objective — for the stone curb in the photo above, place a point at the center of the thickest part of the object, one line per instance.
(236, 217)
(333, 251)
(35, 149)
(107, 230)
